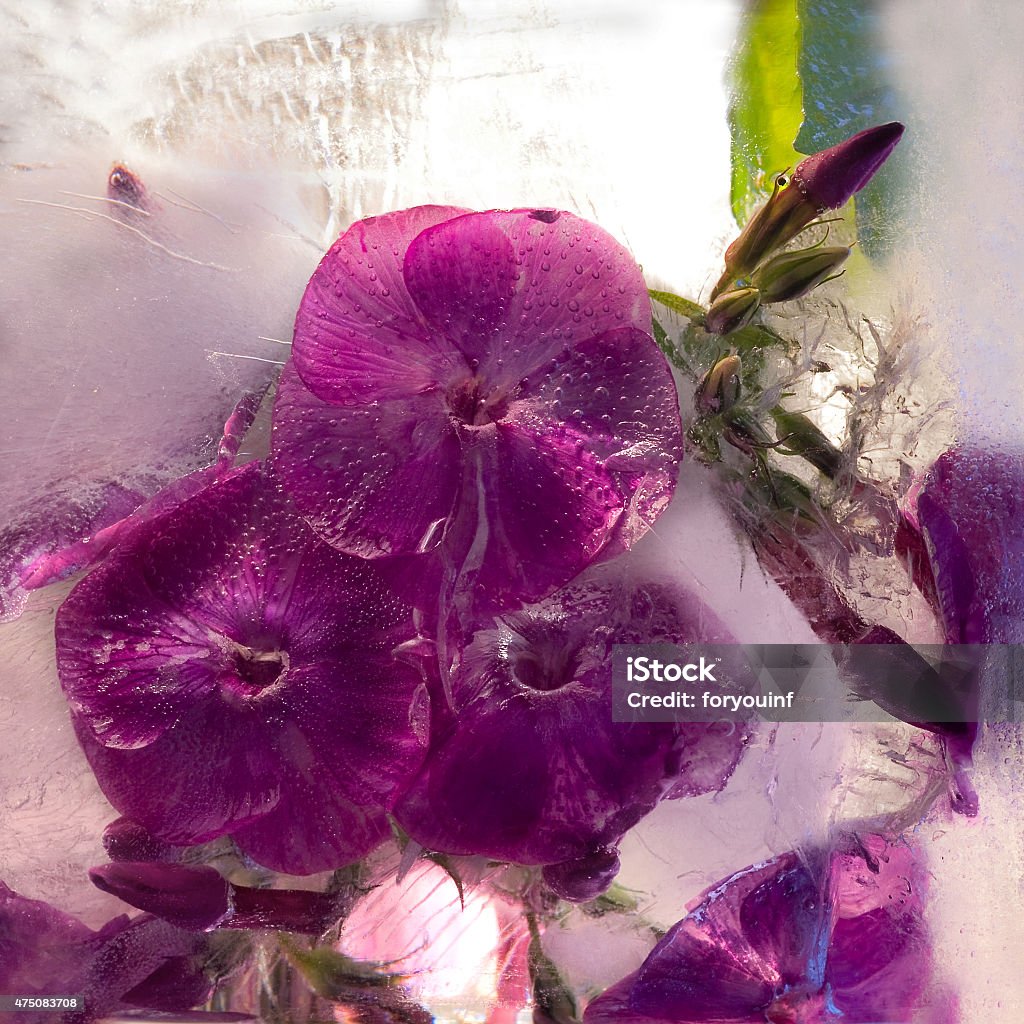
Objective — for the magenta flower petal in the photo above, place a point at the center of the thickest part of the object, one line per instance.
(371, 480)
(529, 767)
(358, 335)
(810, 939)
(462, 275)
(510, 289)
(219, 666)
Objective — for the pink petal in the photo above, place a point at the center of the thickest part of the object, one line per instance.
(358, 335)
(371, 481)
(513, 288)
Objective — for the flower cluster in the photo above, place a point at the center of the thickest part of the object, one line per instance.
(398, 622)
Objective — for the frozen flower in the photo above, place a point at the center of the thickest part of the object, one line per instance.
(128, 964)
(812, 939)
(480, 383)
(229, 673)
(198, 897)
(822, 181)
(528, 765)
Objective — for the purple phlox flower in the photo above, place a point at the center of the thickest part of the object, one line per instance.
(230, 674)
(820, 182)
(127, 964)
(527, 766)
(70, 534)
(832, 936)
(481, 386)
(197, 897)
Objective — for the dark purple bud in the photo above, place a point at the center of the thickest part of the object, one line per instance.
(583, 879)
(831, 177)
(823, 181)
(195, 898)
(127, 840)
(198, 898)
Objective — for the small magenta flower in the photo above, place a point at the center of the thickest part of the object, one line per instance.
(482, 386)
(528, 765)
(822, 181)
(812, 939)
(230, 674)
(128, 965)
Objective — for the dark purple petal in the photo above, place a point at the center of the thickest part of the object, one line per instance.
(529, 767)
(55, 523)
(225, 665)
(70, 557)
(794, 940)
(511, 290)
(971, 512)
(374, 480)
(831, 177)
(359, 337)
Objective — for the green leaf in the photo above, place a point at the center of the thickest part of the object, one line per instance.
(692, 310)
(765, 112)
(843, 70)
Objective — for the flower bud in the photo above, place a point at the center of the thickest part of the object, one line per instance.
(719, 391)
(823, 181)
(828, 179)
(792, 274)
(803, 438)
(732, 310)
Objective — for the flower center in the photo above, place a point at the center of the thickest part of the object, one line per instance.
(256, 670)
(545, 667)
(471, 402)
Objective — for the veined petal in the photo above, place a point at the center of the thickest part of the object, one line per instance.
(358, 336)
(375, 480)
(512, 288)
